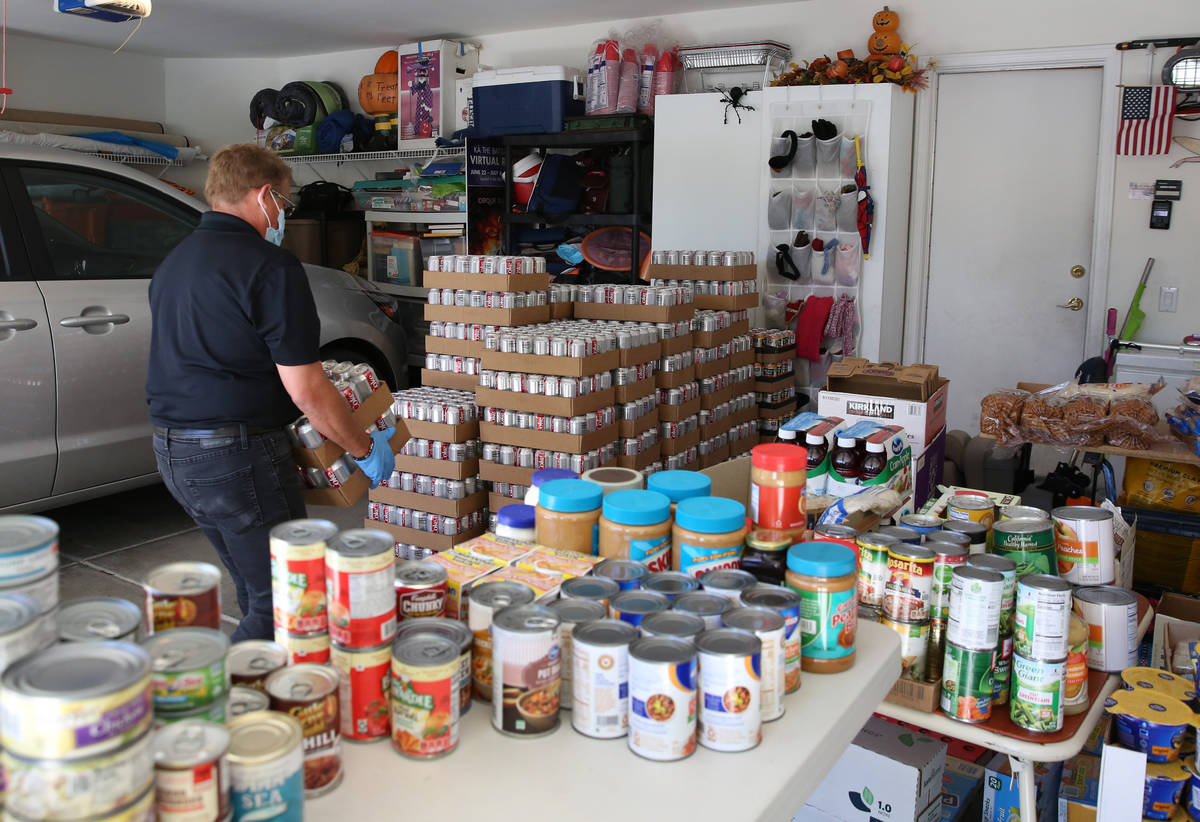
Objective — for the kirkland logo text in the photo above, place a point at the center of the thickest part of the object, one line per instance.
(870, 408)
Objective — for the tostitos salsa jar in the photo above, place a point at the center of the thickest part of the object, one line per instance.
(825, 575)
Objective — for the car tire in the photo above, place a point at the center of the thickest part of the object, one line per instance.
(373, 359)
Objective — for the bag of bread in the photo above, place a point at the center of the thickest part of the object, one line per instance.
(1000, 414)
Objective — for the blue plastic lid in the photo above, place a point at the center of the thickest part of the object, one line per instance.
(822, 559)
(570, 496)
(516, 516)
(634, 507)
(680, 485)
(543, 475)
(710, 515)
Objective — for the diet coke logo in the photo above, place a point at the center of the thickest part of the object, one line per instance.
(422, 603)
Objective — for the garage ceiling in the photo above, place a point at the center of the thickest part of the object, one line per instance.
(237, 28)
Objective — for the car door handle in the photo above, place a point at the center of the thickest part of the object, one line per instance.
(94, 319)
(19, 324)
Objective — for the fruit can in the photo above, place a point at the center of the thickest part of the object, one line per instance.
(768, 625)
(188, 668)
(527, 671)
(266, 767)
(309, 694)
(786, 602)
(1002, 673)
(1028, 542)
(1043, 617)
(183, 595)
(572, 612)
(914, 647)
(1111, 616)
(251, 661)
(1008, 594)
(1083, 542)
(600, 677)
(662, 698)
(974, 620)
(359, 586)
(967, 684)
(191, 772)
(486, 599)
(873, 567)
(972, 507)
(908, 592)
(1037, 694)
(298, 575)
(946, 558)
(363, 687)
(424, 696)
(730, 690)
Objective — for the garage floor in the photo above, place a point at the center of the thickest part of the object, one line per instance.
(107, 545)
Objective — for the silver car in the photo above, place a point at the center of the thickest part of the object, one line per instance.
(80, 239)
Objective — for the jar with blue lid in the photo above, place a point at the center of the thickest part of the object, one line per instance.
(679, 485)
(707, 534)
(825, 575)
(516, 523)
(541, 477)
(568, 515)
(637, 525)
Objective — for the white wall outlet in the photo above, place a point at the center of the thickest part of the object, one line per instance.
(1168, 298)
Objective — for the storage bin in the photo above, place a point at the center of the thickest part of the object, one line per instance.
(395, 258)
(427, 195)
(526, 100)
(429, 75)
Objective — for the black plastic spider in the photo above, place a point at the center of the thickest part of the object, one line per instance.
(733, 100)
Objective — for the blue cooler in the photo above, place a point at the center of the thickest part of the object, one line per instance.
(526, 100)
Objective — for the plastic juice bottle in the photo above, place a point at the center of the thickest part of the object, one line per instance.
(818, 462)
(845, 467)
(874, 462)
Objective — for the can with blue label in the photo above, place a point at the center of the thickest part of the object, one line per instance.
(730, 716)
(266, 767)
(662, 698)
(787, 603)
(627, 573)
(634, 606)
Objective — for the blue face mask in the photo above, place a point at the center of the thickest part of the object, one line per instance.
(274, 233)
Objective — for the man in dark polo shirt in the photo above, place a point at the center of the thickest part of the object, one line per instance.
(233, 359)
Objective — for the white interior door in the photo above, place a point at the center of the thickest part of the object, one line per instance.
(1013, 202)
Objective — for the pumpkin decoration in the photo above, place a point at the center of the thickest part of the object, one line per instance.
(886, 38)
(379, 93)
(389, 62)
(885, 20)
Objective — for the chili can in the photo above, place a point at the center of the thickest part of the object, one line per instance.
(768, 625)
(1043, 617)
(188, 668)
(1111, 616)
(946, 558)
(1027, 542)
(730, 686)
(600, 677)
(914, 647)
(183, 595)
(571, 613)
(528, 671)
(420, 589)
(1084, 544)
(251, 661)
(363, 689)
(908, 591)
(974, 621)
(967, 684)
(486, 599)
(424, 696)
(243, 700)
(191, 774)
(1002, 672)
(1037, 694)
(459, 633)
(298, 574)
(1008, 593)
(359, 584)
(309, 694)
(663, 676)
(23, 628)
(97, 619)
(304, 647)
(873, 571)
(266, 767)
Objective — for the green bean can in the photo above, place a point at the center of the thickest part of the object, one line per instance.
(1037, 694)
(1028, 542)
(1002, 674)
(1008, 592)
(967, 684)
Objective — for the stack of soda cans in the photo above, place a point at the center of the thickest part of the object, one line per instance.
(774, 358)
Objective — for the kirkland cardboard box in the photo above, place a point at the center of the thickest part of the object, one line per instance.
(1001, 799)
(889, 774)
(921, 419)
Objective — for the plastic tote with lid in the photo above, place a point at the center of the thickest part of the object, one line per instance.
(526, 100)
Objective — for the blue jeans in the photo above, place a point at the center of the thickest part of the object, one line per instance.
(237, 489)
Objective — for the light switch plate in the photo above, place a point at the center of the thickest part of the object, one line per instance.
(1168, 298)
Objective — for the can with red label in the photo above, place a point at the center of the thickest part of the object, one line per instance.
(908, 592)
(183, 595)
(304, 647)
(420, 588)
(309, 694)
(298, 574)
(358, 581)
(363, 690)
(191, 773)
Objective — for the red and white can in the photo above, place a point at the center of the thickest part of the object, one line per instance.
(363, 692)
(190, 771)
(358, 580)
(420, 589)
(346, 389)
(304, 647)
(298, 575)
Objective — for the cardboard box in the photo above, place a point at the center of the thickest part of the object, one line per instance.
(921, 419)
(962, 783)
(434, 67)
(921, 696)
(633, 428)
(488, 316)
(964, 751)
(1180, 614)
(679, 444)
(486, 282)
(643, 459)
(774, 356)
(707, 339)
(703, 272)
(677, 345)
(558, 366)
(464, 572)
(448, 379)
(571, 443)
(715, 457)
(635, 390)
(432, 504)
(435, 542)
(562, 311)
(348, 494)
(749, 414)
(495, 472)
(888, 773)
(1001, 802)
(743, 446)
(641, 354)
(496, 502)
(460, 348)
(371, 409)
(856, 375)
(717, 302)
(1078, 790)
(767, 412)
(716, 429)
(675, 413)
(674, 379)
(938, 506)
(441, 431)
(540, 404)
(810, 814)
(711, 369)
(634, 313)
(438, 468)
(714, 398)
(928, 468)
(741, 358)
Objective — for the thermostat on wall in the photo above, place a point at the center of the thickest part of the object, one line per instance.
(1160, 214)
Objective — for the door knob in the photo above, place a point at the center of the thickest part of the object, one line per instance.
(1073, 304)
(1078, 271)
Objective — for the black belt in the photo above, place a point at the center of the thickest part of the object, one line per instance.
(206, 433)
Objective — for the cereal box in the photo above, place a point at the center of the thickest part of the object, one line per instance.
(463, 572)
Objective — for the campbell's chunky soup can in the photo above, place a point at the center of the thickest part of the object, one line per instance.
(183, 595)
(359, 586)
(663, 676)
(266, 767)
(421, 588)
(424, 696)
(309, 694)
(298, 574)
(527, 670)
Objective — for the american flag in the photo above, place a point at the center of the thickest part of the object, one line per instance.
(1147, 114)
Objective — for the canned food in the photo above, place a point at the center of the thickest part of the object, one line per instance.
(967, 684)
(662, 698)
(77, 788)
(974, 621)
(786, 602)
(600, 677)
(572, 612)
(627, 573)
(183, 595)
(946, 558)
(243, 700)
(728, 582)
(921, 523)
(956, 538)
(304, 647)
(424, 699)
(298, 574)
(709, 607)
(28, 548)
(23, 628)
(908, 591)
(599, 589)
(191, 774)
(217, 712)
(363, 688)
(873, 571)
(1008, 594)
(1002, 672)
(251, 661)
(1023, 512)
(456, 631)
(72, 701)
(1075, 688)
(420, 589)
(673, 583)
(976, 532)
(914, 647)
(266, 767)
(1036, 703)
(1043, 617)
(935, 650)
(673, 624)
(1111, 616)
(1083, 541)
(486, 599)
(768, 625)
(899, 533)
(634, 606)
(188, 668)
(96, 619)
(972, 508)
(359, 580)
(1027, 542)
(528, 671)
(309, 694)
(730, 708)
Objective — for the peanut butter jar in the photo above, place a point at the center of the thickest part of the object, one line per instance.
(708, 533)
(568, 515)
(637, 525)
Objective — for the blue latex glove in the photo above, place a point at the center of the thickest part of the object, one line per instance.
(378, 464)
